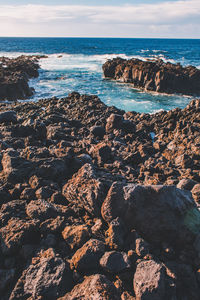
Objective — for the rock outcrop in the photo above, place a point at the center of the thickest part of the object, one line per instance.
(14, 76)
(96, 203)
(154, 75)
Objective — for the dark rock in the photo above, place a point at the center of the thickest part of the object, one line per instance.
(41, 209)
(145, 208)
(16, 233)
(14, 76)
(8, 116)
(115, 262)
(186, 184)
(154, 75)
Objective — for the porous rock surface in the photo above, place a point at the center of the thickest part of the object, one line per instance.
(154, 75)
(93, 207)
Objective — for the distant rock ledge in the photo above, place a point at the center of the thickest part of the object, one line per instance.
(15, 74)
(154, 75)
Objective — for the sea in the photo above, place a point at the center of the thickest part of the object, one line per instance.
(75, 64)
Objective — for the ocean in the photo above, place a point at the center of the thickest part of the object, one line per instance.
(75, 64)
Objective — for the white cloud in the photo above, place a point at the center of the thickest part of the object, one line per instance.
(185, 12)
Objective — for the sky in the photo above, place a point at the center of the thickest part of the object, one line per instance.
(91, 18)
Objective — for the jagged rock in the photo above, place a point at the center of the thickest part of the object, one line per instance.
(115, 262)
(86, 189)
(14, 76)
(16, 233)
(41, 209)
(149, 281)
(87, 257)
(76, 236)
(154, 75)
(145, 208)
(15, 168)
(94, 287)
(47, 277)
(115, 234)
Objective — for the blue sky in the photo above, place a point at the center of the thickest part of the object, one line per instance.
(111, 18)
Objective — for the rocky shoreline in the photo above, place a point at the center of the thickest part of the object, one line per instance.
(154, 75)
(15, 74)
(97, 203)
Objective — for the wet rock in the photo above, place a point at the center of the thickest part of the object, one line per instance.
(76, 236)
(87, 257)
(115, 262)
(47, 277)
(94, 287)
(149, 280)
(85, 189)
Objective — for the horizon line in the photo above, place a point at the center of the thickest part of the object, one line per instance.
(95, 37)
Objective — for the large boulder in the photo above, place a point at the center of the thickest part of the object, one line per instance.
(158, 213)
(86, 189)
(48, 277)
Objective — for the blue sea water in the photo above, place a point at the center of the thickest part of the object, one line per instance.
(75, 64)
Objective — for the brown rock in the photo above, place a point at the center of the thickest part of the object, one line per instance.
(87, 258)
(86, 190)
(94, 287)
(76, 236)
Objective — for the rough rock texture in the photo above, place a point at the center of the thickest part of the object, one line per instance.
(154, 75)
(14, 76)
(149, 281)
(158, 213)
(94, 287)
(87, 191)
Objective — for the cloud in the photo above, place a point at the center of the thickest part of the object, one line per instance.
(166, 14)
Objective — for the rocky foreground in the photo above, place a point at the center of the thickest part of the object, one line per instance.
(15, 74)
(97, 203)
(154, 75)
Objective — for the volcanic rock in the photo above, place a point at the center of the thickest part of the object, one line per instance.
(155, 75)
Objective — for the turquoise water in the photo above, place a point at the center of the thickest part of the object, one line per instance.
(75, 64)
